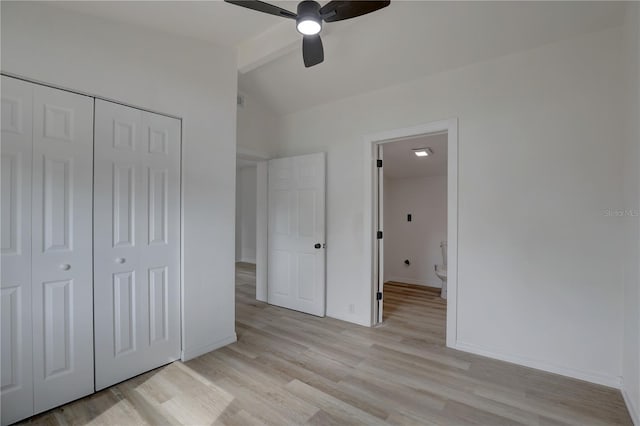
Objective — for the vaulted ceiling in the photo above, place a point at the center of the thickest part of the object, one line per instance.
(213, 21)
(403, 42)
(410, 39)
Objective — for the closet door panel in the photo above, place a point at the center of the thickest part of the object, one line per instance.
(119, 232)
(160, 259)
(62, 291)
(15, 284)
(136, 242)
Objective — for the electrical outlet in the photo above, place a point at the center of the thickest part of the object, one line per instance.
(352, 308)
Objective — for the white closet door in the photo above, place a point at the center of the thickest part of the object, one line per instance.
(62, 261)
(296, 234)
(15, 285)
(136, 242)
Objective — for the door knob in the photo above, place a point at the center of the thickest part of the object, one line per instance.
(65, 266)
(120, 260)
(318, 245)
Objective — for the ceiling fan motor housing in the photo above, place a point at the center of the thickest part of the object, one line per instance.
(309, 10)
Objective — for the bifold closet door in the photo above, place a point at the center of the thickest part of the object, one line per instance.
(62, 270)
(47, 317)
(15, 285)
(136, 242)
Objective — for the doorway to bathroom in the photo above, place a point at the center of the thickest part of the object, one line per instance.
(414, 221)
(414, 215)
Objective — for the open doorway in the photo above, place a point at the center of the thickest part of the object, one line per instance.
(414, 250)
(246, 212)
(414, 217)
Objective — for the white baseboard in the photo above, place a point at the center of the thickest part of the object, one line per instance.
(248, 260)
(413, 281)
(188, 354)
(631, 406)
(588, 376)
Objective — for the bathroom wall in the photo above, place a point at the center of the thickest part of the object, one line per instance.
(419, 240)
(246, 214)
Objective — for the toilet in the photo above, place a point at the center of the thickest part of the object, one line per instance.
(441, 270)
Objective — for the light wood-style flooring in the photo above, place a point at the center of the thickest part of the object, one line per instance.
(288, 368)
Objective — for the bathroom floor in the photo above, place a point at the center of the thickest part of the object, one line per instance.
(416, 308)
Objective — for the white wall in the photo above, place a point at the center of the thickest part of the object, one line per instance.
(540, 159)
(256, 127)
(262, 225)
(246, 214)
(179, 76)
(419, 240)
(631, 350)
(257, 130)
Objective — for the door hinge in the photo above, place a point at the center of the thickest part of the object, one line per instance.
(378, 163)
(379, 235)
(378, 296)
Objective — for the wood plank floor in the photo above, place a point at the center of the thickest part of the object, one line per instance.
(288, 368)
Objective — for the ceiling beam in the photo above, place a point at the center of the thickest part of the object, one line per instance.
(268, 46)
(273, 43)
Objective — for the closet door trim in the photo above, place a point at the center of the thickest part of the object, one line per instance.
(89, 94)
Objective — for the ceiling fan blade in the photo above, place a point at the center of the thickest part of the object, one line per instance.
(312, 50)
(340, 10)
(261, 6)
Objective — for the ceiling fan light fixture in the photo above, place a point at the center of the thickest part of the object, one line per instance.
(308, 27)
(310, 17)
(309, 21)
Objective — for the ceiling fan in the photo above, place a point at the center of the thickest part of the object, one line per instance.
(309, 19)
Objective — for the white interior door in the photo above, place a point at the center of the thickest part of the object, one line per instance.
(62, 262)
(296, 233)
(136, 242)
(15, 285)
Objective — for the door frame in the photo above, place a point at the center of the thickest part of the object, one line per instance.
(370, 146)
(260, 159)
(252, 158)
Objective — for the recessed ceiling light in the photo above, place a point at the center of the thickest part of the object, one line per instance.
(422, 152)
